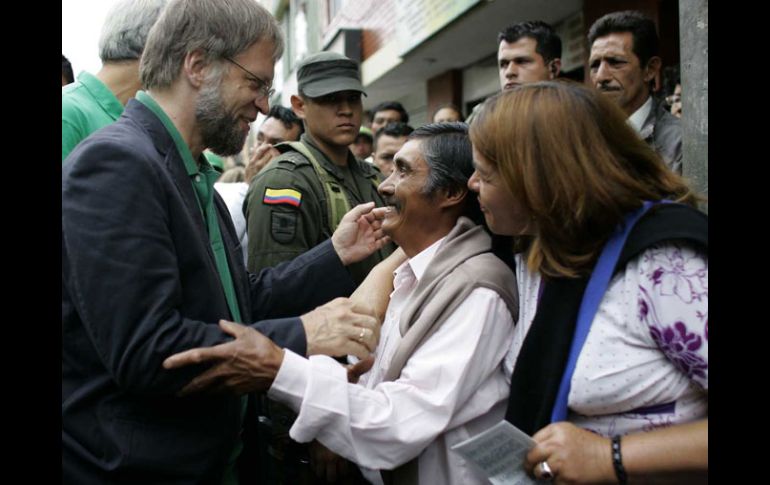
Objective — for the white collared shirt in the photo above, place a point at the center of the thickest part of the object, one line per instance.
(451, 388)
(233, 194)
(636, 120)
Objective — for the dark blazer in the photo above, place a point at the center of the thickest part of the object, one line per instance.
(139, 283)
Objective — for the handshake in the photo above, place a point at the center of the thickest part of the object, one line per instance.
(251, 361)
(343, 326)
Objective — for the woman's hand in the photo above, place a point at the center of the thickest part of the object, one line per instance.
(573, 455)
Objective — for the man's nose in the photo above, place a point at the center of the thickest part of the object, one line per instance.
(345, 107)
(473, 182)
(262, 104)
(603, 75)
(386, 186)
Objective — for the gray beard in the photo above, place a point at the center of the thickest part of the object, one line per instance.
(220, 130)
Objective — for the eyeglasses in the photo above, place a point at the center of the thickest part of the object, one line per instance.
(263, 88)
(673, 98)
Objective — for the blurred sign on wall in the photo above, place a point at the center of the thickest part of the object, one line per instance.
(571, 31)
(419, 19)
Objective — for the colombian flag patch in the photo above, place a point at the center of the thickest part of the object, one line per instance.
(282, 196)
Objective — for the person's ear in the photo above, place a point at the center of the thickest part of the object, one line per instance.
(452, 198)
(196, 67)
(298, 106)
(652, 72)
(555, 67)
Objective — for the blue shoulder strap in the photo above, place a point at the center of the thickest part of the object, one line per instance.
(597, 286)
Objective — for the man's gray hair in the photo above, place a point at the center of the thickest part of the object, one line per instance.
(220, 28)
(125, 31)
(446, 148)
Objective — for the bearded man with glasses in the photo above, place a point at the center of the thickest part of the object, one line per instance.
(151, 263)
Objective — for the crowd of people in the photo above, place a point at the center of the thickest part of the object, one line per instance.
(355, 300)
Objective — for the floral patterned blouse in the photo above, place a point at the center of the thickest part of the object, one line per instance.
(644, 364)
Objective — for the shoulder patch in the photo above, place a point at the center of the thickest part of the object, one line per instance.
(283, 226)
(282, 197)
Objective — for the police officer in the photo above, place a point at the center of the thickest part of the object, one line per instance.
(296, 201)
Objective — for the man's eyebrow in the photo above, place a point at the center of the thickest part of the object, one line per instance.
(607, 57)
(400, 160)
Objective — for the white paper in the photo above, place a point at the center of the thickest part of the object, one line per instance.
(499, 452)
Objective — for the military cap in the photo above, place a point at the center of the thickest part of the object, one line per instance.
(328, 72)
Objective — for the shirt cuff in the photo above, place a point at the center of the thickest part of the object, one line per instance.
(291, 381)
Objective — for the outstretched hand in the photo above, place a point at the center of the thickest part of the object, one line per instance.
(359, 233)
(341, 327)
(248, 363)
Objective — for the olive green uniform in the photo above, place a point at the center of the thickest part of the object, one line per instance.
(279, 231)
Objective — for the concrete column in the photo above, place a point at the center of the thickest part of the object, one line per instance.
(693, 31)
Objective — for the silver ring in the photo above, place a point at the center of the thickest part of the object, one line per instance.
(545, 471)
(361, 335)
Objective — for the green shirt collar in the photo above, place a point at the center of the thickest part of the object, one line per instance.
(181, 145)
(101, 94)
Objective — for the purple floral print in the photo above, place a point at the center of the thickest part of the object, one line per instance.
(681, 347)
(645, 362)
(678, 344)
(679, 273)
